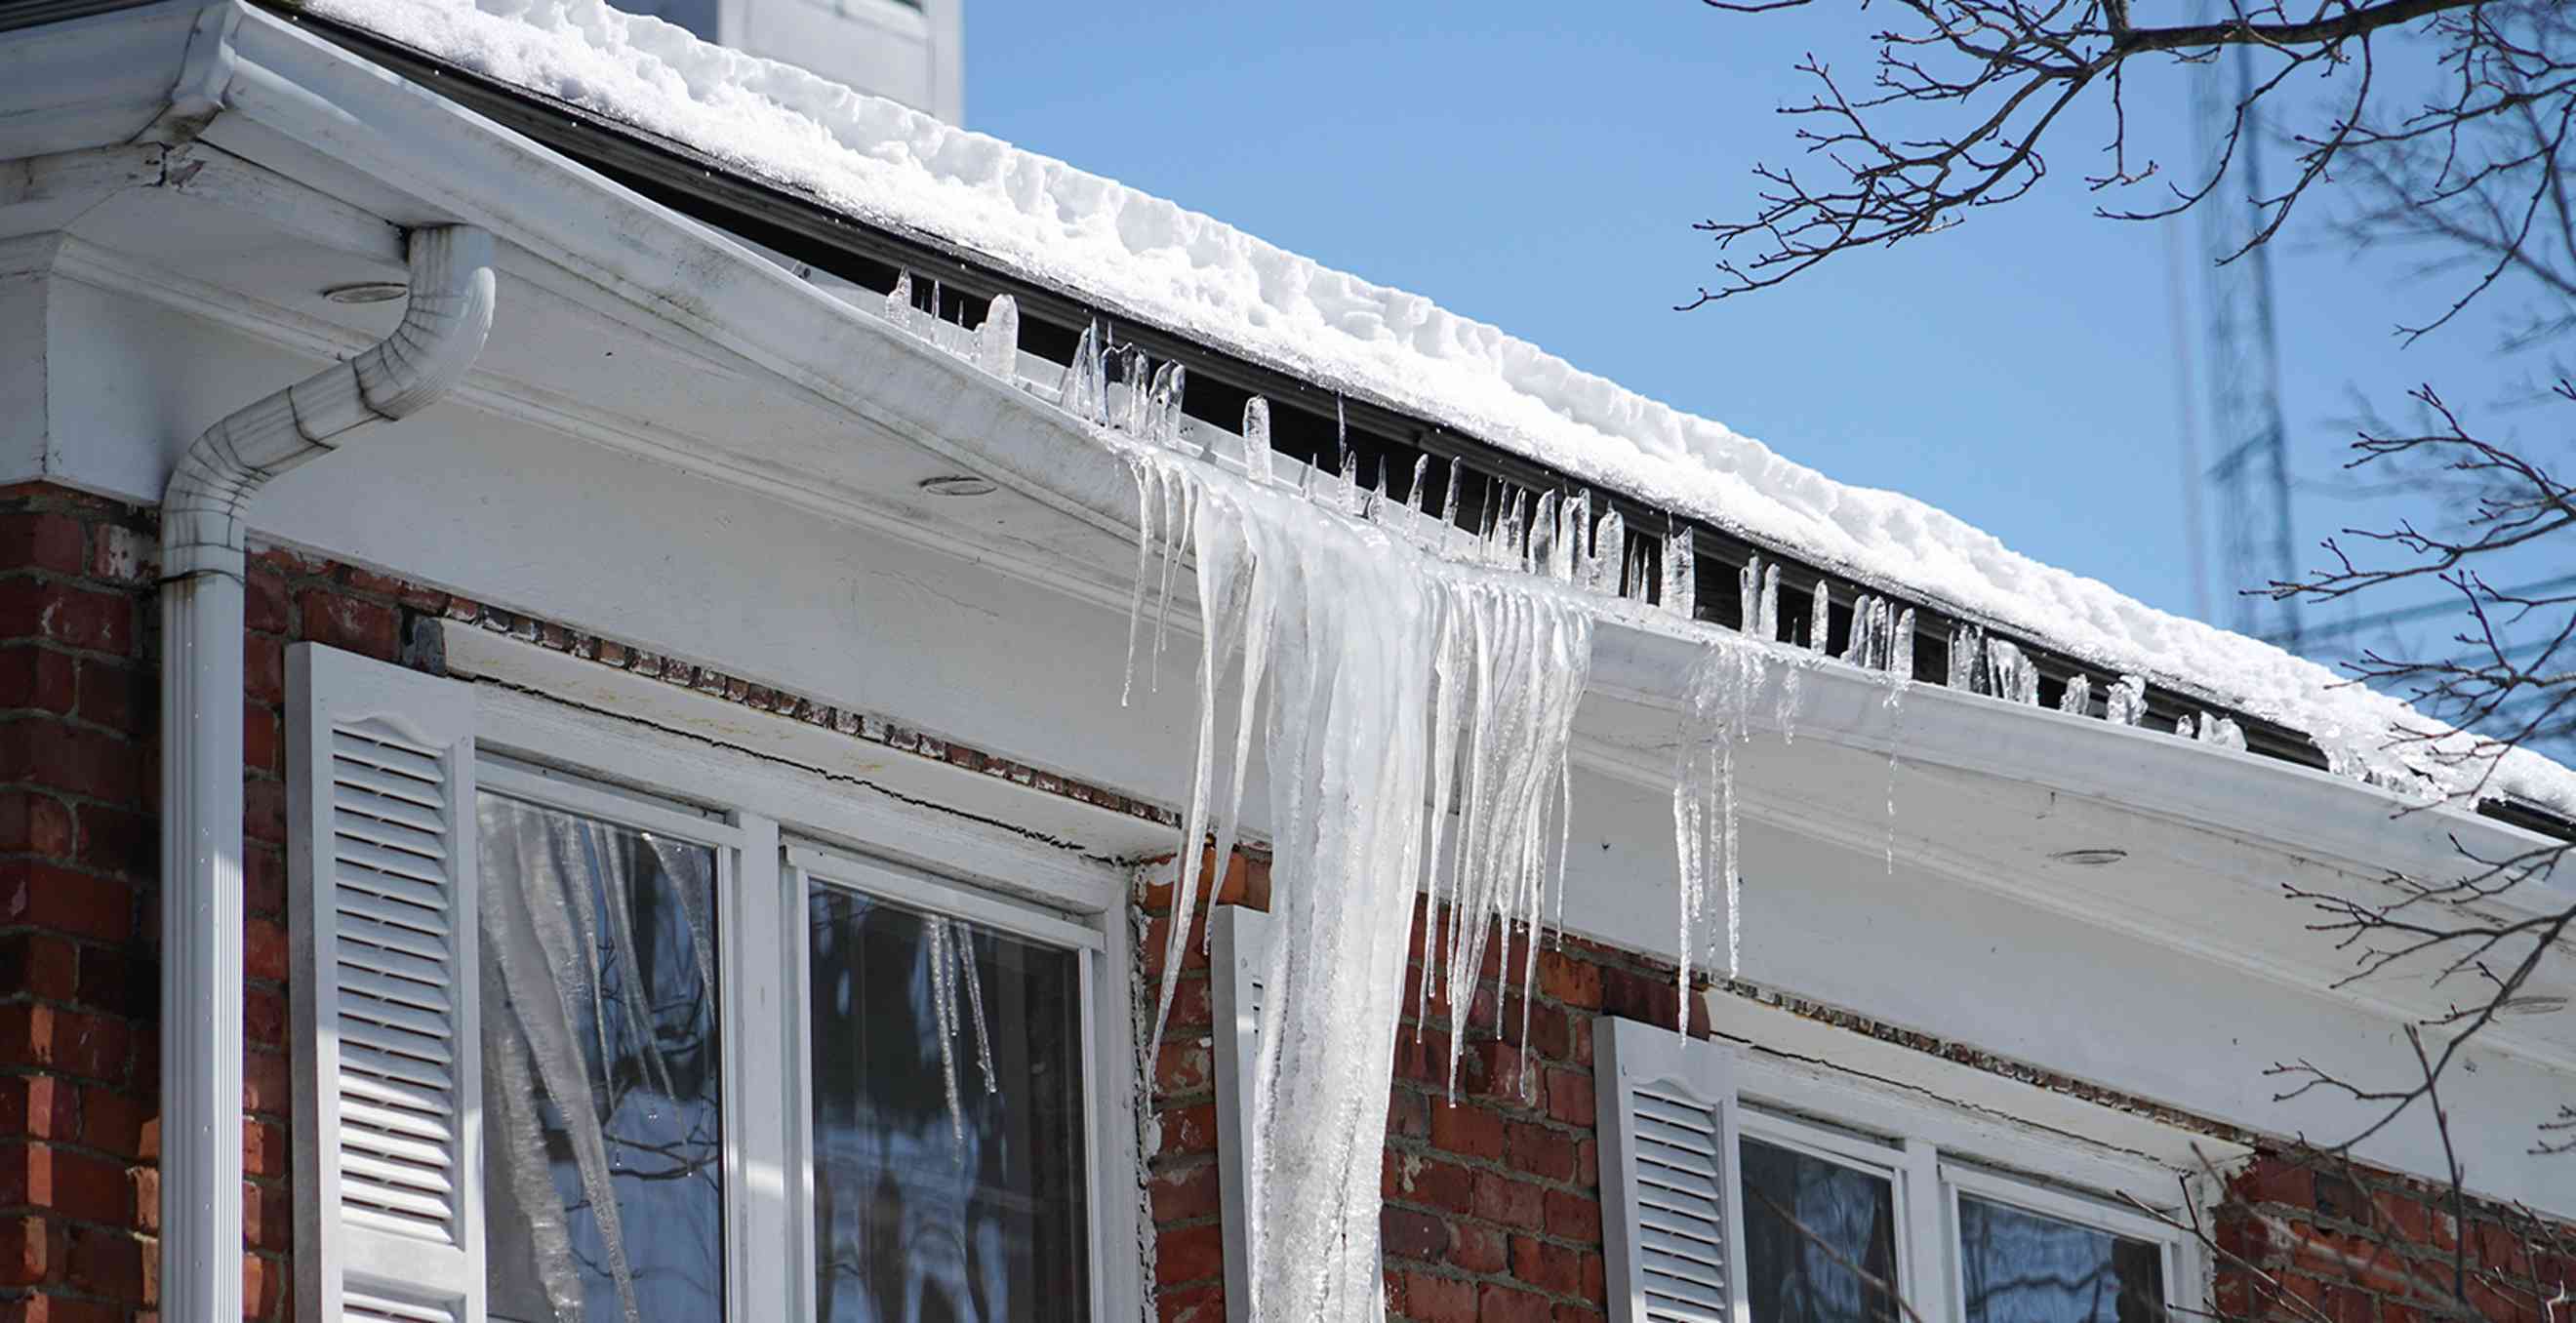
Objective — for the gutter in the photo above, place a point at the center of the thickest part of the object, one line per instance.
(203, 534)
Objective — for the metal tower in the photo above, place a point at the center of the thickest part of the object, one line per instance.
(2251, 478)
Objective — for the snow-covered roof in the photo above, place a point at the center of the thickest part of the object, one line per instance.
(884, 164)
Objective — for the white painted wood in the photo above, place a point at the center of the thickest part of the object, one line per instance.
(2176, 1251)
(763, 1079)
(834, 800)
(388, 1069)
(1239, 941)
(1671, 1203)
(925, 892)
(1032, 814)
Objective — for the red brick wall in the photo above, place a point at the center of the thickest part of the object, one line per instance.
(1492, 1210)
(2323, 1242)
(79, 918)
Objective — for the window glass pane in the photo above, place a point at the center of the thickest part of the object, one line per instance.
(602, 1136)
(914, 1219)
(1819, 1239)
(2020, 1267)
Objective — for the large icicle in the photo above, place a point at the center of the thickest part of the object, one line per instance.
(1378, 676)
(1722, 691)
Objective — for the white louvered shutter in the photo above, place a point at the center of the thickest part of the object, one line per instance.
(388, 1157)
(1241, 956)
(1671, 1204)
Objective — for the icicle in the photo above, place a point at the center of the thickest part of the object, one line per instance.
(1573, 563)
(997, 341)
(1857, 648)
(1352, 496)
(1513, 550)
(2010, 674)
(1163, 408)
(2221, 731)
(1610, 556)
(2078, 698)
(2126, 703)
(1900, 658)
(1722, 690)
(1681, 574)
(1082, 392)
(1149, 502)
(1582, 567)
(943, 1003)
(1544, 549)
(1379, 676)
(1896, 740)
(1968, 659)
(1256, 442)
(1417, 497)
(1139, 402)
(1748, 591)
(1767, 617)
(898, 301)
(975, 1002)
(1820, 619)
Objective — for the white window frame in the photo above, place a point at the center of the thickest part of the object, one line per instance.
(747, 806)
(1933, 1151)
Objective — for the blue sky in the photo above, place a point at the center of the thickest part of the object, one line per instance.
(1538, 165)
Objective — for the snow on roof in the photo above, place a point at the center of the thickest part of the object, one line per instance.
(882, 163)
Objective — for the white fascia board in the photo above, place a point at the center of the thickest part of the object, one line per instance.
(2263, 802)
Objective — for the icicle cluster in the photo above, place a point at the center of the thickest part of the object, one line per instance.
(2126, 702)
(1722, 691)
(1759, 590)
(1681, 574)
(2010, 674)
(2221, 731)
(949, 945)
(993, 346)
(1380, 677)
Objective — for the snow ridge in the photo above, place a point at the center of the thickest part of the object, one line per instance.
(1138, 255)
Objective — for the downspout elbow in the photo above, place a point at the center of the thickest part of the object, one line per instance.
(203, 533)
(442, 331)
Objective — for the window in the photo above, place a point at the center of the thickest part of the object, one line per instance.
(1742, 1190)
(1819, 1235)
(570, 1050)
(946, 1109)
(602, 1064)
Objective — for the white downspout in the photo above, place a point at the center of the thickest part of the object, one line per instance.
(203, 532)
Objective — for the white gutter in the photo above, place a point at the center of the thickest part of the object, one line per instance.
(203, 531)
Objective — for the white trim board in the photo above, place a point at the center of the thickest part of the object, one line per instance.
(547, 705)
(1792, 1060)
